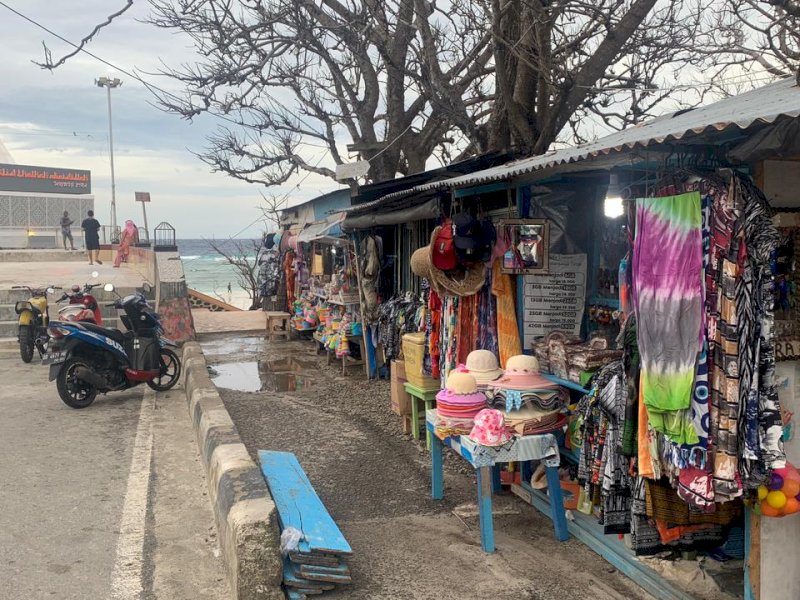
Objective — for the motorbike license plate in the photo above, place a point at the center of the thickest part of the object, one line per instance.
(54, 358)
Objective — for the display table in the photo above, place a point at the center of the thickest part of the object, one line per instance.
(428, 397)
(278, 324)
(485, 461)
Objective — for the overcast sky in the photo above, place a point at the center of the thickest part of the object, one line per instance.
(60, 119)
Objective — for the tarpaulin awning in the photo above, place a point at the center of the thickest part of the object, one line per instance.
(427, 210)
(329, 227)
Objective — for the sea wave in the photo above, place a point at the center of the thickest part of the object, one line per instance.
(190, 257)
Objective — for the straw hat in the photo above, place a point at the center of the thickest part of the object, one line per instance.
(522, 373)
(483, 365)
(459, 282)
(461, 383)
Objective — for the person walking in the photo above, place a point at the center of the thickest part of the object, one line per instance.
(66, 230)
(91, 235)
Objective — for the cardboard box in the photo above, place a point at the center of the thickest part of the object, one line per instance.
(401, 401)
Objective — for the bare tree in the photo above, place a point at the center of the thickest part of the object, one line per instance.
(271, 207)
(397, 82)
(243, 257)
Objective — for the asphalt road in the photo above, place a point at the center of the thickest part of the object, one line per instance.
(105, 502)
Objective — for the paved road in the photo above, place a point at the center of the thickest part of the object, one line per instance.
(106, 502)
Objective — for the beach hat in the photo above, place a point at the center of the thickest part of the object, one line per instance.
(483, 366)
(464, 281)
(460, 397)
(522, 373)
(490, 428)
(460, 382)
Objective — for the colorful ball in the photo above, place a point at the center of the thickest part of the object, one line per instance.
(775, 482)
(776, 499)
(792, 506)
(762, 492)
(791, 488)
(768, 511)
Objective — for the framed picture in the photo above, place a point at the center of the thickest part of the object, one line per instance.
(528, 246)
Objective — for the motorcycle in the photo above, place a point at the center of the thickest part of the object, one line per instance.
(34, 317)
(82, 305)
(86, 359)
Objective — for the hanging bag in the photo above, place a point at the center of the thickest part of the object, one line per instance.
(443, 250)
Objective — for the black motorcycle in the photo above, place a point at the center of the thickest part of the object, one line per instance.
(86, 359)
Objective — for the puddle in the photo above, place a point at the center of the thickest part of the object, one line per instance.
(228, 345)
(283, 375)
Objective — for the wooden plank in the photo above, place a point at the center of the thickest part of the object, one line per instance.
(299, 558)
(295, 595)
(587, 530)
(292, 580)
(328, 578)
(339, 574)
(298, 504)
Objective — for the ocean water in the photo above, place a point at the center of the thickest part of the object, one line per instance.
(207, 271)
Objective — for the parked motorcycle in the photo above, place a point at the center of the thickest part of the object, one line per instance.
(82, 305)
(32, 322)
(86, 359)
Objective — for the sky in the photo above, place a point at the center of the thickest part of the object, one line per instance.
(60, 119)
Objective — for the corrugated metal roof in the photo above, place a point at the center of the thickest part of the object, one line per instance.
(764, 105)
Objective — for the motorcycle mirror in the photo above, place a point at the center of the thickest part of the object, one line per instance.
(147, 288)
(109, 287)
(95, 274)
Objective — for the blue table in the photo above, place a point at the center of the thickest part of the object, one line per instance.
(486, 463)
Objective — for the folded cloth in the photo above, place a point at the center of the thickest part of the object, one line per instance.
(515, 399)
(451, 426)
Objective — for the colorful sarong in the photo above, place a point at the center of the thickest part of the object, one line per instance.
(668, 300)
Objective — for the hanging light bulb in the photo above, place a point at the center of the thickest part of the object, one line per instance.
(613, 206)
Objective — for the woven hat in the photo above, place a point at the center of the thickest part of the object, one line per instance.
(459, 382)
(522, 373)
(490, 428)
(483, 366)
(460, 282)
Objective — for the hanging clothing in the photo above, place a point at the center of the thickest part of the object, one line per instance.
(668, 300)
(507, 331)
(487, 317)
(447, 336)
(289, 275)
(631, 363)
(466, 328)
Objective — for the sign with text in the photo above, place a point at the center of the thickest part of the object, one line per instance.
(556, 300)
(45, 180)
(352, 170)
(142, 196)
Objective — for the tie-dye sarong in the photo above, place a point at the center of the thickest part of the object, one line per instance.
(668, 299)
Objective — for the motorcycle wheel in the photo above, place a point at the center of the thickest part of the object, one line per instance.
(169, 371)
(26, 343)
(74, 392)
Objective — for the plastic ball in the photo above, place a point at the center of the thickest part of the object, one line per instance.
(762, 492)
(792, 506)
(768, 511)
(775, 482)
(776, 499)
(791, 488)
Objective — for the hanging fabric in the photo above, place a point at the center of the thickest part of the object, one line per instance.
(507, 330)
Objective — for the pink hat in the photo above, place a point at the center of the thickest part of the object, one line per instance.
(522, 373)
(490, 428)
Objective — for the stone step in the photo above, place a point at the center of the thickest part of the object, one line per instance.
(8, 329)
(7, 312)
(26, 256)
(11, 296)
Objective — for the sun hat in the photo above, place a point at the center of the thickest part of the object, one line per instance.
(460, 398)
(490, 428)
(483, 366)
(522, 373)
(460, 282)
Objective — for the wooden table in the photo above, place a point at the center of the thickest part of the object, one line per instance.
(428, 397)
(278, 319)
(486, 463)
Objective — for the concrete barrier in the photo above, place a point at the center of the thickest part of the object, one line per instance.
(247, 520)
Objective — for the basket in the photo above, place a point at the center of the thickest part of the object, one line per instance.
(414, 354)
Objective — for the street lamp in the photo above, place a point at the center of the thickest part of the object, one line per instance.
(108, 83)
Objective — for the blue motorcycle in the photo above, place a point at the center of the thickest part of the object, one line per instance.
(86, 359)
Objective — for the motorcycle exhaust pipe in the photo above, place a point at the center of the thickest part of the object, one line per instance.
(90, 376)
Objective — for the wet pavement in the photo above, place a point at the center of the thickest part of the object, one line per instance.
(281, 375)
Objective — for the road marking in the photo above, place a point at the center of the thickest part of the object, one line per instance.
(126, 582)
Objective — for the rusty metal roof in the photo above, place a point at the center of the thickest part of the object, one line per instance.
(761, 106)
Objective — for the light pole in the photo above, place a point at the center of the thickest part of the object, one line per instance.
(108, 83)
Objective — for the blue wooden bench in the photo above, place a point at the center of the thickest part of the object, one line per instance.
(316, 564)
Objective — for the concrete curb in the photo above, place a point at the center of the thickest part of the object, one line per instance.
(247, 520)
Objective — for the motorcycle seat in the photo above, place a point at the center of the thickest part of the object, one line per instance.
(114, 334)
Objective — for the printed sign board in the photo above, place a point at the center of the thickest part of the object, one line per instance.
(46, 180)
(555, 300)
(142, 196)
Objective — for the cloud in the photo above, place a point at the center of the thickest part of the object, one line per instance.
(60, 119)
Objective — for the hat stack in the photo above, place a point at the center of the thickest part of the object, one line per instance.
(532, 403)
(460, 399)
(484, 367)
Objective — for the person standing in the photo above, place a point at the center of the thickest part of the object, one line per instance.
(66, 230)
(91, 235)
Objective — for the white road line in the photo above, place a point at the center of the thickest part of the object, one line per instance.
(126, 582)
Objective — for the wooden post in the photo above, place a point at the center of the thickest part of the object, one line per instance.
(370, 361)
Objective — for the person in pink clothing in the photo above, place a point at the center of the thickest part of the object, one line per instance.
(129, 236)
